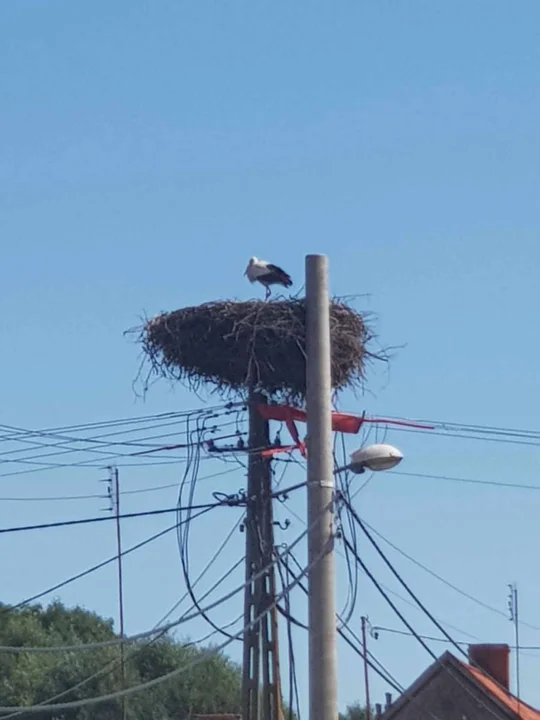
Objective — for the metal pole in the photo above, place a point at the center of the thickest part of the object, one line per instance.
(320, 492)
(514, 618)
(366, 669)
(516, 621)
(120, 588)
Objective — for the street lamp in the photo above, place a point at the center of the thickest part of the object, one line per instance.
(378, 457)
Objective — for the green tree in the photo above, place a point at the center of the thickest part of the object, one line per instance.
(356, 711)
(211, 685)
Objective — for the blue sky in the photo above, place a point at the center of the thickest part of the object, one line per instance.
(148, 149)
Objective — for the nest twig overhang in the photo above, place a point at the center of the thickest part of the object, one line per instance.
(234, 345)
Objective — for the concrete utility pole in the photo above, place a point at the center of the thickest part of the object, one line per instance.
(260, 592)
(320, 491)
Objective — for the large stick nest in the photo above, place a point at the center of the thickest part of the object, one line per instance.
(232, 344)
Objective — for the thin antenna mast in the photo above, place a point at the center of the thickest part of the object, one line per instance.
(113, 495)
(366, 668)
(514, 618)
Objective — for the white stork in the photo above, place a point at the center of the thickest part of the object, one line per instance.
(267, 274)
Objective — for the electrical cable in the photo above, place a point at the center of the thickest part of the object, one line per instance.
(402, 582)
(472, 481)
(148, 633)
(92, 569)
(123, 421)
(184, 550)
(394, 631)
(183, 537)
(343, 482)
(434, 574)
(407, 425)
(374, 664)
(34, 709)
(96, 462)
(470, 436)
(411, 593)
(105, 518)
(113, 664)
(415, 607)
(60, 441)
(471, 428)
(416, 635)
(114, 558)
(153, 423)
(389, 590)
(294, 694)
(99, 439)
(110, 667)
(138, 491)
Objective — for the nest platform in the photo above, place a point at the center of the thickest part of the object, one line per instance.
(233, 345)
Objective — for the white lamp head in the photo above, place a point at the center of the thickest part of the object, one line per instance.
(376, 458)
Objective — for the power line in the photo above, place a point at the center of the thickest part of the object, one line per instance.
(409, 590)
(436, 575)
(103, 457)
(34, 709)
(118, 421)
(111, 666)
(103, 440)
(100, 565)
(99, 440)
(169, 626)
(416, 599)
(107, 518)
(398, 576)
(412, 605)
(470, 436)
(340, 630)
(89, 571)
(395, 631)
(371, 660)
(470, 427)
(490, 431)
(389, 590)
(412, 630)
(138, 491)
(493, 483)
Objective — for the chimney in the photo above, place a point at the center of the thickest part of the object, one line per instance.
(494, 660)
(378, 710)
(388, 703)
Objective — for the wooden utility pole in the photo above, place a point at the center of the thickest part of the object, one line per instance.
(261, 640)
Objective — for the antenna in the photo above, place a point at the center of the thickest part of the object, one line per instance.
(514, 618)
(113, 496)
(365, 623)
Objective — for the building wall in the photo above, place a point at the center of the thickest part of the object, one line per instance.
(446, 697)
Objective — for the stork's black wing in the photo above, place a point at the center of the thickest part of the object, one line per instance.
(279, 275)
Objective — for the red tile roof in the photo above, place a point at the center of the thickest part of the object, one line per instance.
(521, 709)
